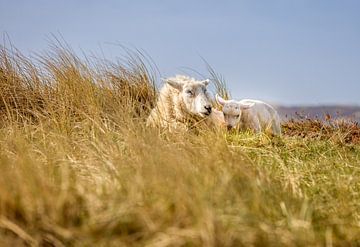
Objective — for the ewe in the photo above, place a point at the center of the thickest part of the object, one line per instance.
(250, 114)
(183, 102)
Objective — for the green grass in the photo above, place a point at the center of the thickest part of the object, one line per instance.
(79, 168)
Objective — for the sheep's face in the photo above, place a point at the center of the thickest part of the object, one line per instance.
(194, 95)
(196, 98)
(232, 111)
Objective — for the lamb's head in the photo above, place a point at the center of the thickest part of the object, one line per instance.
(193, 94)
(232, 110)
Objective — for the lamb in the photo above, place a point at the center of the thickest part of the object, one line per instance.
(250, 114)
(183, 102)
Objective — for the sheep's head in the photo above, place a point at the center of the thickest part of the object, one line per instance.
(232, 110)
(193, 93)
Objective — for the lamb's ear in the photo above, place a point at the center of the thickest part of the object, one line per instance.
(174, 84)
(220, 100)
(244, 106)
(206, 82)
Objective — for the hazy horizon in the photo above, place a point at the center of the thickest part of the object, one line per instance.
(288, 53)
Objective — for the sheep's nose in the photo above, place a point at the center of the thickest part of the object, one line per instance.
(208, 108)
(229, 127)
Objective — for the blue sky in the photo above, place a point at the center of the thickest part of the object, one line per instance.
(281, 51)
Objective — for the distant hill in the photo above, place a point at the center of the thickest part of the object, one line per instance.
(335, 111)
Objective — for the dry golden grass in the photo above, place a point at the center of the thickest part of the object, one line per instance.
(79, 168)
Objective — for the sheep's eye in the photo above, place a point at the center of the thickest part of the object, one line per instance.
(189, 92)
(237, 116)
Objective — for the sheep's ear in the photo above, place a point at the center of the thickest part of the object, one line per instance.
(244, 106)
(174, 84)
(220, 100)
(206, 82)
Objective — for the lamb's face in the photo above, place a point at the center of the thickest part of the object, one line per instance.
(193, 94)
(232, 111)
(232, 114)
(196, 98)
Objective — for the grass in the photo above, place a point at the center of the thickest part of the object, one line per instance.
(79, 168)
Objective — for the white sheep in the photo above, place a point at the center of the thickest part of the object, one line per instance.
(250, 114)
(183, 102)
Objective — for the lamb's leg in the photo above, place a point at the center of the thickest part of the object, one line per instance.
(276, 126)
(255, 125)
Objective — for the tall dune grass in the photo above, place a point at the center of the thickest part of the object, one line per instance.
(79, 168)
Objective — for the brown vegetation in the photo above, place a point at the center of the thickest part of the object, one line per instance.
(336, 130)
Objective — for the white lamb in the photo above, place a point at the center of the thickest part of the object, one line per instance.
(183, 102)
(250, 114)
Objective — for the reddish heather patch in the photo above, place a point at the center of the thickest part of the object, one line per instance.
(344, 131)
